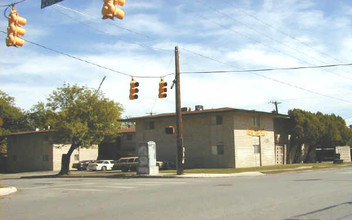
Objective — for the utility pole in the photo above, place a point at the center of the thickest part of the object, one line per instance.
(179, 123)
(276, 103)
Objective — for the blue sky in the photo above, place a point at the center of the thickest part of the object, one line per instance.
(211, 35)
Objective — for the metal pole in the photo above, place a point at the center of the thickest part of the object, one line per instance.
(179, 123)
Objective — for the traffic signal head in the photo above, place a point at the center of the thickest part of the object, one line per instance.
(111, 10)
(134, 90)
(13, 29)
(162, 89)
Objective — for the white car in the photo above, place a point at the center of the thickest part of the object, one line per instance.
(101, 165)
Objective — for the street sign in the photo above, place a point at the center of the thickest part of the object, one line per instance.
(46, 3)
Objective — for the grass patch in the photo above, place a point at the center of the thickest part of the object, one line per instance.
(261, 169)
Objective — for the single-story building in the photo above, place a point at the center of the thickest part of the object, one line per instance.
(35, 151)
(217, 138)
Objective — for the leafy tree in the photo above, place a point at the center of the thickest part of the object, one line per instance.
(12, 118)
(81, 116)
(316, 130)
(39, 115)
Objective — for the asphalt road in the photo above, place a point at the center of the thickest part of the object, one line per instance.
(324, 194)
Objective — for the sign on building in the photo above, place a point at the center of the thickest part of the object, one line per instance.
(255, 131)
(46, 3)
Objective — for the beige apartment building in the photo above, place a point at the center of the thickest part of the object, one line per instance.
(217, 138)
(35, 151)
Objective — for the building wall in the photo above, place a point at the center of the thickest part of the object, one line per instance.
(29, 152)
(345, 153)
(212, 145)
(128, 141)
(201, 136)
(246, 153)
(79, 154)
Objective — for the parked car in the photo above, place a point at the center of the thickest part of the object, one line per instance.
(126, 164)
(130, 164)
(101, 165)
(167, 165)
(82, 165)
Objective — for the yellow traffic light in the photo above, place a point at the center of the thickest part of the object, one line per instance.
(162, 89)
(13, 30)
(111, 10)
(134, 90)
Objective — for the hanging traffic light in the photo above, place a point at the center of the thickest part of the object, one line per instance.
(13, 29)
(111, 10)
(162, 89)
(134, 90)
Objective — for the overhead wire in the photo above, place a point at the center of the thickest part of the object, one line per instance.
(270, 69)
(279, 31)
(255, 72)
(198, 54)
(104, 32)
(265, 35)
(89, 62)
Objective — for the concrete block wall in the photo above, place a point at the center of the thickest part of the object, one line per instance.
(244, 149)
(345, 153)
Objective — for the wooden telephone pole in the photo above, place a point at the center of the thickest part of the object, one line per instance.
(179, 123)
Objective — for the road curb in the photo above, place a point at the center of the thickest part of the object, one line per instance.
(7, 190)
(203, 175)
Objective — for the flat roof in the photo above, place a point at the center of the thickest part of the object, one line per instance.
(27, 132)
(206, 111)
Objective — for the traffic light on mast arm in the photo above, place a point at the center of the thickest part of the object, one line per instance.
(111, 10)
(134, 90)
(162, 89)
(13, 30)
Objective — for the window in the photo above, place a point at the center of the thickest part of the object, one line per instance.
(217, 150)
(219, 119)
(76, 157)
(149, 125)
(256, 121)
(256, 149)
(45, 157)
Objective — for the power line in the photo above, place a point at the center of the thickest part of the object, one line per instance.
(279, 81)
(262, 34)
(278, 30)
(89, 62)
(269, 78)
(104, 32)
(269, 69)
(12, 4)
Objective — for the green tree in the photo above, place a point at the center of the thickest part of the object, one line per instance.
(82, 117)
(316, 130)
(12, 118)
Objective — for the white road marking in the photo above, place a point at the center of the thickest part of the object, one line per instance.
(56, 185)
(75, 189)
(120, 187)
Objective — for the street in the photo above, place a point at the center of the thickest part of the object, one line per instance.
(324, 194)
